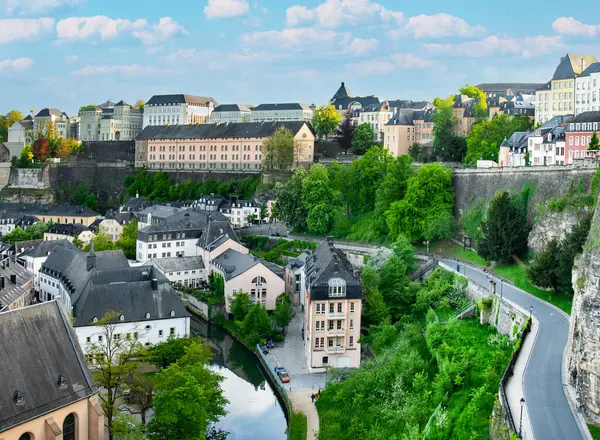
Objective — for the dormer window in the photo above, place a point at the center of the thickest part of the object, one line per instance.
(61, 382)
(18, 398)
(172, 312)
(147, 315)
(121, 318)
(337, 287)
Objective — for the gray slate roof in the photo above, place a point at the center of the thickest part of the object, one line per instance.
(593, 68)
(180, 99)
(364, 101)
(586, 117)
(177, 264)
(48, 209)
(282, 106)
(33, 368)
(13, 291)
(71, 229)
(47, 112)
(44, 248)
(341, 93)
(234, 263)
(402, 117)
(212, 131)
(503, 88)
(400, 103)
(328, 262)
(217, 232)
(570, 66)
(231, 108)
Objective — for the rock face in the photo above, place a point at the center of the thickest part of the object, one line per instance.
(584, 335)
(551, 225)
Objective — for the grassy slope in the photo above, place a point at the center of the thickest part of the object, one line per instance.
(299, 427)
(595, 431)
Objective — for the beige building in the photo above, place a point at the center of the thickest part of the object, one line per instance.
(48, 392)
(558, 97)
(217, 147)
(50, 213)
(406, 127)
(69, 232)
(333, 307)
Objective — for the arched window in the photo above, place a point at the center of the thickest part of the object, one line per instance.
(259, 281)
(26, 436)
(70, 427)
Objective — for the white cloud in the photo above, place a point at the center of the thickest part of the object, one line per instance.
(16, 64)
(165, 27)
(399, 61)
(71, 59)
(361, 46)
(81, 28)
(225, 8)
(36, 6)
(336, 13)
(436, 26)
(153, 49)
(181, 54)
(14, 29)
(526, 47)
(571, 26)
(296, 38)
(129, 69)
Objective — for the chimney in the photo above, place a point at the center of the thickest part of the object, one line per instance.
(13, 278)
(330, 240)
(154, 284)
(91, 258)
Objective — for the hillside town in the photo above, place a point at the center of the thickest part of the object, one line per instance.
(365, 267)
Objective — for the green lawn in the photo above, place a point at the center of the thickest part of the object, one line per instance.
(595, 431)
(298, 426)
(513, 272)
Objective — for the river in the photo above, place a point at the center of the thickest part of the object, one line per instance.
(253, 411)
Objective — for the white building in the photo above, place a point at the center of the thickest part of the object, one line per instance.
(62, 122)
(238, 212)
(90, 285)
(185, 271)
(376, 115)
(295, 279)
(225, 113)
(33, 257)
(546, 145)
(110, 122)
(19, 134)
(112, 224)
(168, 240)
(178, 110)
(281, 112)
(218, 237)
(69, 232)
(587, 90)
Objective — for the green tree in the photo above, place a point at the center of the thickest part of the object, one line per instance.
(480, 107)
(290, 206)
(278, 151)
(393, 186)
(363, 138)
(33, 232)
(139, 397)
(416, 152)
(594, 144)
(170, 351)
(102, 242)
(188, 397)
(284, 312)
(345, 131)
(429, 194)
(115, 359)
(528, 159)
(91, 202)
(257, 324)
(543, 270)
(240, 304)
(84, 108)
(325, 120)
(440, 227)
(365, 176)
(128, 239)
(444, 123)
(263, 211)
(472, 220)
(319, 199)
(127, 427)
(26, 158)
(6, 121)
(505, 230)
(139, 104)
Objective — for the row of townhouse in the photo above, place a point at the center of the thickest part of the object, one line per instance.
(218, 147)
(563, 140)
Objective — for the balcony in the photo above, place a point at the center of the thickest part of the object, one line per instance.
(336, 331)
(336, 349)
(336, 315)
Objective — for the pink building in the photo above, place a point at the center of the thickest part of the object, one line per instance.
(579, 132)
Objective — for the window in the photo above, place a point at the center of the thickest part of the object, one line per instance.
(352, 307)
(351, 341)
(351, 324)
(88, 339)
(337, 287)
(26, 436)
(330, 342)
(69, 427)
(326, 358)
(172, 331)
(330, 325)
(331, 307)
(160, 333)
(116, 336)
(339, 308)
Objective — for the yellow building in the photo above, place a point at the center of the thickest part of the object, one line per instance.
(47, 390)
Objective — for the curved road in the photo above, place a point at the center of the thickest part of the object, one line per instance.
(549, 411)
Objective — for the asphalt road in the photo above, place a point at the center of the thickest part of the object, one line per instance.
(549, 411)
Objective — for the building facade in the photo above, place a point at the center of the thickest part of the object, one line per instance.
(377, 116)
(69, 232)
(587, 90)
(177, 239)
(578, 134)
(59, 402)
(178, 110)
(185, 271)
(343, 101)
(60, 120)
(281, 112)
(51, 213)
(110, 122)
(333, 307)
(230, 113)
(218, 147)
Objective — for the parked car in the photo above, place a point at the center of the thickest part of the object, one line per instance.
(270, 344)
(264, 349)
(283, 376)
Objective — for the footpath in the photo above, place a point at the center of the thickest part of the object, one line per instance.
(301, 402)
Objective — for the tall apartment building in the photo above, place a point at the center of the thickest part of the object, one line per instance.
(558, 97)
(281, 112)
(178, 110)
(110, 122)
(333, 306)
(222, 147)
(587, 90)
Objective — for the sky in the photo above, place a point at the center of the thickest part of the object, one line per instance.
(69, 53)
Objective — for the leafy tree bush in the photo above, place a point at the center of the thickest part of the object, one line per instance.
(472, 220)
(506, 228)
(278, 152)
(416, 152)
(257, 324)
(320, 200)
(33, 232)
(345, 131)
(325, 120)
(240, 304)
(41, 149)
(290, 206)
(363, 138)
(440, 228)
(128, 239)
(594, 144)
(284, 312)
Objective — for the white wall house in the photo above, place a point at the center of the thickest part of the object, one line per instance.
(62, 124)
(281, 112)
(376, 115)
(169, 240)
(185, 271)
(587, 90)
(178, 110)
(226, 113)
(110, 122)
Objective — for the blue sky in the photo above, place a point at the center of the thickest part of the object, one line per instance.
(68, 53)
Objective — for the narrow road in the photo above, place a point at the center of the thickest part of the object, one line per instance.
(549, 411)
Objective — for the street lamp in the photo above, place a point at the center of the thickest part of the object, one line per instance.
(530, 311)
(521, 418)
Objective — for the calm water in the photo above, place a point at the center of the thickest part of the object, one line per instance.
(253, 411)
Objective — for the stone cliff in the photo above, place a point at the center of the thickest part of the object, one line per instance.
(551, 225)
(583, 354)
